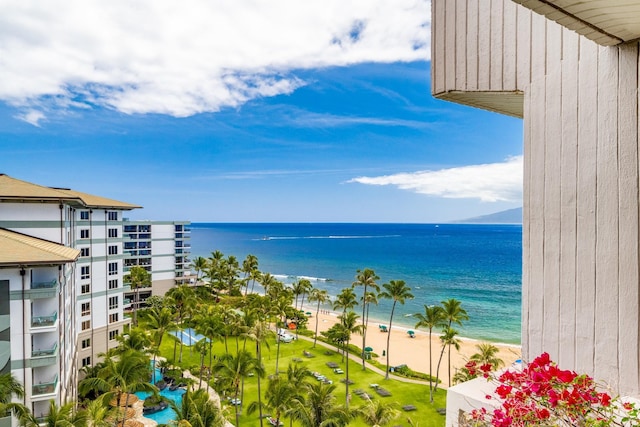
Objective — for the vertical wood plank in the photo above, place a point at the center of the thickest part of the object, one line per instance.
(497, 51)
(527, 354)
(509, 37)
(568, 214)
(523, 47)
(606, 318)
(552, 171)
(461, 44)
(450, 37)
(586, 203)
(535, 304)
(629, 275)
(472, 45)
(484, 44)
(437, 46)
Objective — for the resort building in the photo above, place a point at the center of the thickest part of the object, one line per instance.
(570, 70)
(37, 290)
(67, 309)
(160, 247)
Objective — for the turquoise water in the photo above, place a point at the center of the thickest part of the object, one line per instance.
(481, 265)
(166, 415)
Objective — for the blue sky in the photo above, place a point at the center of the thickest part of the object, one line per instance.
(236, 113)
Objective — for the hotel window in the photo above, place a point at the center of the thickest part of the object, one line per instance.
(84, 234)
(113, 232)
(113, 318)
(112, 216)
(113, 268)
(86, 343)
(113, 335)
(84, 214)
(85, 289)
(113, 303)
(113, 250)
(113, 284)
(86, 324)
(86, 361)
(84, 252)
(85, 272)
(85, 308)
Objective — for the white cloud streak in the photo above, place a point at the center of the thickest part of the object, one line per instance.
(183, 58)
(491, 182)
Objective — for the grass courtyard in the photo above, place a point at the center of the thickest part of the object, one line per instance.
(425, 413)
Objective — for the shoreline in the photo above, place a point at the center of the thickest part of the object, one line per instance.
(414, 351)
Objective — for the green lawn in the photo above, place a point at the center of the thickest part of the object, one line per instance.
(401, 393)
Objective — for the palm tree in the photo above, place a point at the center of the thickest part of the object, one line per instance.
(267, 281)
(137, 278)
(345, 300)
(198, 410)
(433, 317)
(10, 387)
(182, 297)
(121, 375)
(367, 279)
(399, 292)
(159, 321)
(236, 367)
(279, 308)
(199, 265)
(321, 296)
(452, 312)
(99, 413)
(317, 407)
(349, 325)
(487, 354)
(59, 416)
(201, 349)
(279, 398)
(259, 333)
(250, 268)
(449, 338)
(377, 413)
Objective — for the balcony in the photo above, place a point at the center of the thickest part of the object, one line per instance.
(47, 352)
(44, 321)
(45, 388)
(43, 290)
(44, 357)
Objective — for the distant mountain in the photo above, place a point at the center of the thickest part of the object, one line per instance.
(510, 216)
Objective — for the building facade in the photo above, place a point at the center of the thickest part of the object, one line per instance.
(74, 310)
(160, 247)
(37, 287)
(570, 70)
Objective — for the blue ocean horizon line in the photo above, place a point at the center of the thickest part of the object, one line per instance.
(479, 264)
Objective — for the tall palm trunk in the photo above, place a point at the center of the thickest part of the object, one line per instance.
(364, 332)
(346, 383)
(315, 338)
(393, 307)
(430, 369)
(259, 357)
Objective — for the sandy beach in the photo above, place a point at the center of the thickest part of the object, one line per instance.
(413, 352)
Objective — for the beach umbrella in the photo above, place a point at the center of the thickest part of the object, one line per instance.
(410, 332)
(368, 349)
(308, 313)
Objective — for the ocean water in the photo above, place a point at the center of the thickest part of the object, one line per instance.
(480, 265)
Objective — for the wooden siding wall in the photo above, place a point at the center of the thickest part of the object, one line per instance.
(581, 259)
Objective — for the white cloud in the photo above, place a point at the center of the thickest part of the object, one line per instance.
(182, 58)
(32, 117)
(491, 182)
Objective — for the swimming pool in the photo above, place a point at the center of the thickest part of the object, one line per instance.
(166, 415)
(188, 336)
